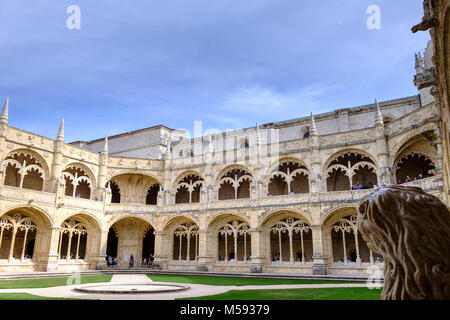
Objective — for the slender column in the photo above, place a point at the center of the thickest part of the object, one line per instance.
(60, 244)
(11, 247)
(226, 247)
(345, 248)
(74, 184)
(350, 175)
(371, 256)
(303, 248)
(235, 246)
(179, 253)
(22, 256)
(69, 246)
(22, 174)
(1, 237)
(188, 255)
(245, 246)
(291, 249)
(279, 243)
(78, 246)
(196, 247)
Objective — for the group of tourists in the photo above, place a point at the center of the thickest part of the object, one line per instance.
(146, 261)
(110, 261)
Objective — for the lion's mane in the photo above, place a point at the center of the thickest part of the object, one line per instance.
(411, 230)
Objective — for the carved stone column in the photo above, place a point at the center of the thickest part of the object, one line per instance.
(162, 248)
(320, 260)
(205, 259)
(258, 256)
(100, 260)
(50, 259)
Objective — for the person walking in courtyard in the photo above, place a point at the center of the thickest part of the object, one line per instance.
(150, 260)
(110, 261)
(131, 262)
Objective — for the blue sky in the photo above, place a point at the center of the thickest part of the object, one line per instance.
(228, 63)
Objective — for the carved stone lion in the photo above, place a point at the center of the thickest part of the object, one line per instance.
(411, 230)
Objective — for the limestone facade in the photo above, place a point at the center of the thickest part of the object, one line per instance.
(279, 197)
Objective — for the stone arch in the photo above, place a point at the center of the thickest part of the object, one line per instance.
(415, 158)
(214, 219)
(126, 216)
(187, 187)
(37, 155)
(229, 238)
(396, 149)
(334, 214)
(25, 168)
(288, 237)
(44, 218)
(117, 173)
(90, 219)
(136, 187)
(234, 182)
(181, 239)
(344, 168)
(184, 174)
(35, 225)
(83, 241)
(342, 241)
(79, 180)
(231, 167)
(284, 212)
(86, 169)
(127, 236)
(290, 175)
(179, 217)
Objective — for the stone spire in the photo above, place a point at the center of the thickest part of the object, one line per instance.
(313, 128)
(378, 116)
(61, 131)
(105, 146)
(4, 116)
(419, 66)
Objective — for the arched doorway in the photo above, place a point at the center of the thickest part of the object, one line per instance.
(130, 236)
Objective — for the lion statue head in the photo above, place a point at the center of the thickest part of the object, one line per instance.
(411, 230)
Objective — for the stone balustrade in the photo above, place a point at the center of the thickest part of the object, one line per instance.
(431, 184)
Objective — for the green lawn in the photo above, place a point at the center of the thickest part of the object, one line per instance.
(233, 281)
(297, 294)
(26, 296)
(49, 282)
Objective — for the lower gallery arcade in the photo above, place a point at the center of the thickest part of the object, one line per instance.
(284, 241)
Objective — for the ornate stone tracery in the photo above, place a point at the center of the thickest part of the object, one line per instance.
(348, 225)
(191, 184)
(71, 228)
(290, 226)
(237, 179)
(291, 177)
(353, 165)
(235, 229)
(188, 230)
(25, 165)
(16, 223)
